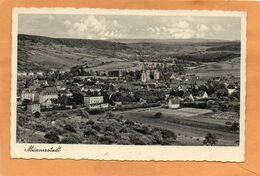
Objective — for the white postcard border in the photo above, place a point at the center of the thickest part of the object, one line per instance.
(128, 152)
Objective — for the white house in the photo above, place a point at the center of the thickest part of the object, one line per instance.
(95, 102)
(202, 95)
(34, 107)
(48, 93)
(29, 95)
(174, 103)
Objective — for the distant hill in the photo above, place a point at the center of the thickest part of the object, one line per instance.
(168, 41)
(39, 52)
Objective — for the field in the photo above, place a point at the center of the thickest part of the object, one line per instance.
(37, 52)
(114, 65)
(191, 125)
(218, 69)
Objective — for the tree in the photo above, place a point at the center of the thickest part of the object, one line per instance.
(52, 137)
(158, 115)
(210, 139)
(235, 126)
(37, 114)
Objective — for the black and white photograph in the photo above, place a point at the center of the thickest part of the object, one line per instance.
(128, 78)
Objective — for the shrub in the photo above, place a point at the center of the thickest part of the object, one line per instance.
(90, 122)
(123, 130)
(235, 126)
(90, 131)
(228, 123)
(54, 112)
(96, 127)
(52, 137)
(110, 114)
(70, 138)
(142, 129)
(40, 127)
(22, 119)
(109, 128)
(210, 139)
(69, 128)
(158, 115)
(129, 122)
(96, 111)
(106, 140)
(37, 114)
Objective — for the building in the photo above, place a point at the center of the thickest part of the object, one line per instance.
(21, 74)
(30, 74)
(29, 94)
(39, 73)
(202, 95)
(187, 96)
(48, 93)
(95, 102)
(145, 76)
(174, 103)
(231, 91)
(156, 75)
(34, 107)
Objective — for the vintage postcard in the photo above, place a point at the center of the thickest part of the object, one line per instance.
(128, 84)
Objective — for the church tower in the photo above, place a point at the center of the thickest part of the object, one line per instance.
(143, 76)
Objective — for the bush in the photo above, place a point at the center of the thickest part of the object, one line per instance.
(107, 140)
(129, 122)
(96, 111)
(228, 123)
(123, 130)
(37, 114)
(158, 115)
(40, 127)
(210, 139)
(90, 122)
(22, 119)
(109, 128)
(142, 129)
(89, 132)
(235, 126)
(138, 139)
(52, 137)
(54, 112)
(96, 127)
(110, 114)
(70, 138)
(69, 128)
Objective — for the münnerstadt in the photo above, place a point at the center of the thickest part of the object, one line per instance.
(141, 92)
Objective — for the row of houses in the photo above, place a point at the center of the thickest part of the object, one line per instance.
(48, 97)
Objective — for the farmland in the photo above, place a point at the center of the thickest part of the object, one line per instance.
(216, 68)
(190, 124)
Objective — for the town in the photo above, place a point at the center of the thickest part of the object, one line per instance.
(161, 88)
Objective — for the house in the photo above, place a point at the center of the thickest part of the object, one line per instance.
(39, 73)
(118, 103)
(156, 75)
(30, 74)
(187, 96)
(172, 77)
(230, 91)
(202, 95)
(34, 107)
(29, 94)
(48, 103)
(174, 103)
(95, 102)
(21, 74)
(48, 93)
(41, 82)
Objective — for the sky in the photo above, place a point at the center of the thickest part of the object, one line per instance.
(129, 26)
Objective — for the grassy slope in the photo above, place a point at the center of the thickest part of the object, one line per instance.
(36, 52)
